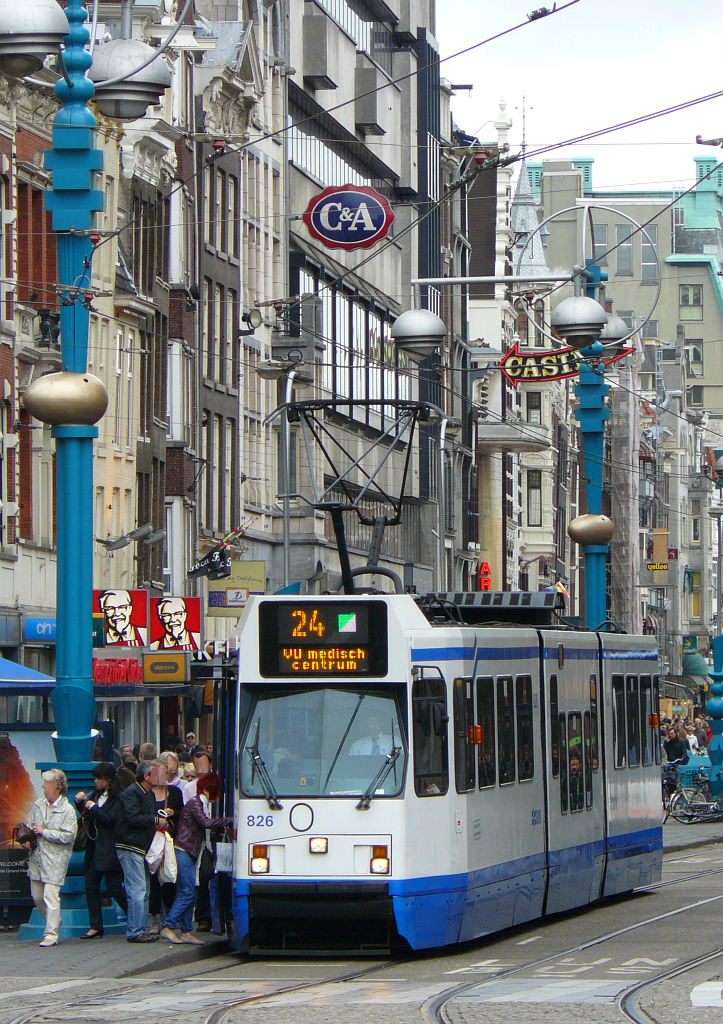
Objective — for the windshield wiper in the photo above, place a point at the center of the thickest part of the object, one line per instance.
(258, 765)
(391, 760)
(343, 741)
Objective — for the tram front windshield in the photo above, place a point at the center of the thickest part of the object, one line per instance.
(323, 743)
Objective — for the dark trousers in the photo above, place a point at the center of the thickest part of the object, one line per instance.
(162, 896)
(203, 902)
(114, 885)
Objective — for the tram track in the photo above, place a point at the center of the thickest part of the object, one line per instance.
(434, 1010)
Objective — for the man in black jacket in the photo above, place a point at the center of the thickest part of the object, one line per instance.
(136, 824)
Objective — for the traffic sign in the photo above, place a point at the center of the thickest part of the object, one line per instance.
(348, 217)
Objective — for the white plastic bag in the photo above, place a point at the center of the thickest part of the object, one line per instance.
(154, 857)
(168, 869)
(224, 856)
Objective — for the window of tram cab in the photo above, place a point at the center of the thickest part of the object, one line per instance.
(632, 695)
(554, 729)
(575, 761)
(464, 735)
(506, 729)
(646, 711)
(486, 751)
(429, 713)
(620, 740)
(525, 738)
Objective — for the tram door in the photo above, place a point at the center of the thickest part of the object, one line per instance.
(575, 782)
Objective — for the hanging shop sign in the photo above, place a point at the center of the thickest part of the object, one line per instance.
(348, 217)
(548, 365)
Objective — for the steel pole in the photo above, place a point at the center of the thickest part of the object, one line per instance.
(286, 463)
(441, 524)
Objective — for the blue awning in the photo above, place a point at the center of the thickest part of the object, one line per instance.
(17, 679)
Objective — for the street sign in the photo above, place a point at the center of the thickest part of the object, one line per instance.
(169, 667)
(547, 365)
(348, 217)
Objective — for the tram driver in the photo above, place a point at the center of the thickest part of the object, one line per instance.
(374, 740)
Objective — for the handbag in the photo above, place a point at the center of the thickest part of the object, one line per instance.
(156, 851)
(206, 867)
(168, 868)
(22, 833)
(81, 839)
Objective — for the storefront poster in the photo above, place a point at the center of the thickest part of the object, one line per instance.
(175, 624)
(227, 597)
(125, 616)
(20, 787)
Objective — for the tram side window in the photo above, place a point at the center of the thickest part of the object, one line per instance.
(633, 706)
(620, 743)
(464, 735)
(506, 729)
(486, 752)
(554, 729)
(646, 719)
(656, 711)
(575, 760)
(587, 740)
(429, 712)
(525, 738)
(562, 729)
(594, 747)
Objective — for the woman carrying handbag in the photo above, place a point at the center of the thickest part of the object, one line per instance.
(169, 799)
(189, 844)
(98, 813)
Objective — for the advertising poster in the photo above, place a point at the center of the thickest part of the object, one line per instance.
(125, 616)
(175, 624)
(227, 597)
(20, 787)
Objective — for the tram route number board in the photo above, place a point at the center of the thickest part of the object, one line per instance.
(322, 639)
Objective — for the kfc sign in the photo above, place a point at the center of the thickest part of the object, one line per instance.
(348, 217)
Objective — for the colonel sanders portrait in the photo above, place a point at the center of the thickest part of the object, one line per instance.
(117, 608)
(173, 613)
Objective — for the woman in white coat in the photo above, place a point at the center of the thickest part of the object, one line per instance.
(55, 823)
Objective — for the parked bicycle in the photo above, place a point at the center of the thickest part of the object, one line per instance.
(691, 802)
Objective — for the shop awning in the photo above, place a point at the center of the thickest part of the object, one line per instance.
(17, 679)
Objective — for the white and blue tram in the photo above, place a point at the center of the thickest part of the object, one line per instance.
(434, 777)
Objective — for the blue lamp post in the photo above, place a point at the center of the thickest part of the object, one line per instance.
(72, 400)
(580, 320)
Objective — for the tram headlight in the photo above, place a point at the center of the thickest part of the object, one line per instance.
(318, 845)
(380, 860)
(259, 860)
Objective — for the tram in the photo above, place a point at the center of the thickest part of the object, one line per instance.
(425, 771)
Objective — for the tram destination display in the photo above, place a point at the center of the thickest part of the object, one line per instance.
(318, 639)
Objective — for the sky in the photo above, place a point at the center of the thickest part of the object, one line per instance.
(588, 67)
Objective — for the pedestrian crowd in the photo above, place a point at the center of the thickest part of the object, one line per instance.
(682, 737)
(146, 830)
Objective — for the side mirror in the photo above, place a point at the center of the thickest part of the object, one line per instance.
(439, 719)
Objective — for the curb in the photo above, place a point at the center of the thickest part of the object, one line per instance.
(189, 955)
(692, 845)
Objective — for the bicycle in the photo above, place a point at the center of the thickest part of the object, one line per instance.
(692, 804)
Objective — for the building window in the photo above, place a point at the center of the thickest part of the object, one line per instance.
(600, 244)
(649, 263)
(695, 596)
(650, 329)
(534, 497)
(695, 396)
(691, 301)
(624, 250)
(627, 316)
(695, 521)
(695, 357)
(534, 406)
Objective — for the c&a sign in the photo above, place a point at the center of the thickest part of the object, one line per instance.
(348, 217)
